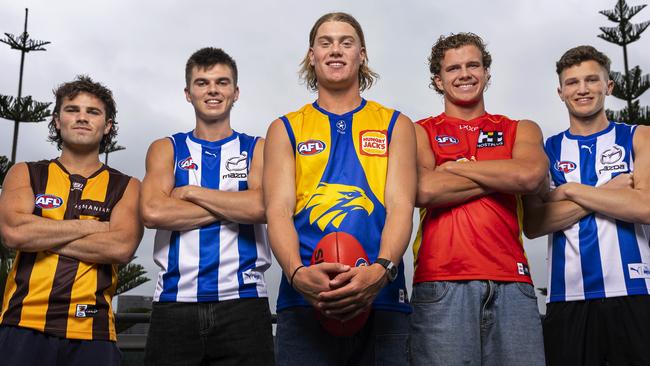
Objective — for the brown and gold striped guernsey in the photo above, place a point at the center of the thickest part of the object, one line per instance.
(60, 295)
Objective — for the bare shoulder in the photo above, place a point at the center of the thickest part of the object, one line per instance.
(642, 134)
(17, 176)
(529, 124)
(528, 129)
(161, 145)
(402, 118)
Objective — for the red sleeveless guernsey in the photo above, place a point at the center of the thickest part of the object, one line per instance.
(479, 239)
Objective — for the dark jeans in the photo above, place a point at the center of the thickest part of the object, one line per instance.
(300, 340)
(27, 347)
(232, 332)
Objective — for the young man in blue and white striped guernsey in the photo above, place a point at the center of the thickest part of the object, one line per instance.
(598, 211)
(203, 192)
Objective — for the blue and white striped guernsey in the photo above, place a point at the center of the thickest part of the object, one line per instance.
(223, 260)
(599, 256)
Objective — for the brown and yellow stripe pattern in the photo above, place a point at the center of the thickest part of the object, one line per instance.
(60, 295)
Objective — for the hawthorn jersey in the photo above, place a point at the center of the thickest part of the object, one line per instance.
(479, 239)
(55, 294)
(599, 256)
(223, 260)
(341, 165)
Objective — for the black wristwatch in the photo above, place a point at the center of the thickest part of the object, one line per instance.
(391, 268)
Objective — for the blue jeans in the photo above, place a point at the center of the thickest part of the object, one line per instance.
(475, 323)
(300, 340)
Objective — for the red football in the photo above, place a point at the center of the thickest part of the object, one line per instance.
(340, 247)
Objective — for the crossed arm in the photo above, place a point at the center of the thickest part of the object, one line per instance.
(92, 241)
(352, 289)
(626, 197)
(190, 207)
(452, 183)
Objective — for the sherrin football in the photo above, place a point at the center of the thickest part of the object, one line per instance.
(341, 247)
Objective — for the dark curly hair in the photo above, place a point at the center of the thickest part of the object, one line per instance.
(207, 57)
(307, 73)
(580, 54)
(70, 90)
(450, 42)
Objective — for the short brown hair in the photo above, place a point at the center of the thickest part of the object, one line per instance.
(367, 77)
(70, 90)
(580, 54)
(450, 42)
(207, 57)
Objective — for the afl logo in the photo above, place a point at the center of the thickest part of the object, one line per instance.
(446, 140)
(311, 147)
(187, 164)
(565, 166)
(48, 201)
(360, 263)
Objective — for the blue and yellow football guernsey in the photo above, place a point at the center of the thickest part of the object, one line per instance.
(341, 165)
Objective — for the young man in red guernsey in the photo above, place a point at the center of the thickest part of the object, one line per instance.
(473, 298)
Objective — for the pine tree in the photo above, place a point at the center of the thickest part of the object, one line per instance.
(22, 109)
(129, 276)
(110, 148)
(632, 84)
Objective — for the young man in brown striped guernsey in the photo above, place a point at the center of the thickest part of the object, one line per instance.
(71, 221)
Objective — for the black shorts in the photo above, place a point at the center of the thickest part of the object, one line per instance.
(28, 347)
(613, 331)
(232, 332)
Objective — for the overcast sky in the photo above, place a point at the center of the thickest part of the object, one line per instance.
(139, 50)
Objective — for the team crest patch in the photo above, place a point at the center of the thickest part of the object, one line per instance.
(311, 147)
(522, 269)
(490, 139)
(373, 142)
(565, 166)
(85, 311)
(331, 204)
(188, 164)
(48, 201)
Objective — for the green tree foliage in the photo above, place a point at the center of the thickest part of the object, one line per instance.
(129, 276)
(631, 84)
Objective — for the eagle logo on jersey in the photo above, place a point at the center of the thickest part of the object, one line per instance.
(331, 203)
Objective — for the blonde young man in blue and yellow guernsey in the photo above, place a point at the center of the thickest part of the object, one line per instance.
(340, 164)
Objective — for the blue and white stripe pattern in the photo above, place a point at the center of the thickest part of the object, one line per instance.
(223, 260)
(599, 256)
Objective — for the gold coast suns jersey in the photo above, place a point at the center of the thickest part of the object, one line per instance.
(55, 294)
(341, 165)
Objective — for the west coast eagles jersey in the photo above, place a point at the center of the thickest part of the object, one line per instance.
(341, 165)
(598, 256)
(60, 295)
